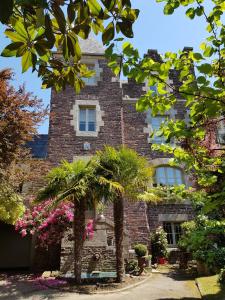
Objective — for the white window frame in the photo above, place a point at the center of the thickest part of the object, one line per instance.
(166, 167)
(75, 120)
(173, 232)
(87, 121)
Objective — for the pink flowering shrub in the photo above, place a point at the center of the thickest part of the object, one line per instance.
(49, 224)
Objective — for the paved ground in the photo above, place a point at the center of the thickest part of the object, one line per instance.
(159, 286)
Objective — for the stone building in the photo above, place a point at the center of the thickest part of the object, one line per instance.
(104, 113)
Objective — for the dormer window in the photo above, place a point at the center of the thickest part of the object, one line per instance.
(87, 118)
(90, 80)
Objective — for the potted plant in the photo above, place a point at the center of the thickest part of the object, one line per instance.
(159, 246)
(141, 252)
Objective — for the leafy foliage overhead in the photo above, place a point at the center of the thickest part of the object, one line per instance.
(37, 28)
(201, 87)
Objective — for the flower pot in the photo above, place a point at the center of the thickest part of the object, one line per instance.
(162, 260)
(141, 264)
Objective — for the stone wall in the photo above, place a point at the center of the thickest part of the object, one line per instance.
(173, 211)
(135, 220)
(97, 254)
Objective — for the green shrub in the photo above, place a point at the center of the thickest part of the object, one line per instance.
(131, 266)
(140, 250)
(221, 278)
(159, 244)
(205, 239)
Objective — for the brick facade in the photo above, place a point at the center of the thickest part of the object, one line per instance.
(121, 124)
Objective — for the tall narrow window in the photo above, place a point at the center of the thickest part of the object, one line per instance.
(156, 123)
(173, 231)
(166, 175)
(87, 119)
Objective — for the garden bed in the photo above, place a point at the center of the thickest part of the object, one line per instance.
(88, 288)
(29, 283)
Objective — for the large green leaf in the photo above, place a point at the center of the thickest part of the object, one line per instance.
(40, 17)
(6, 10)
(48, 31)
(11, 49)
(108, 33)
(71, 12)
(109, 4)
(95, 7)
(126, 28)
(26, 61)
(14, 36)
(21, 30)
(59, 15)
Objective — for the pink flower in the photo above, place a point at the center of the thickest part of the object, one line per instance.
(23, 232)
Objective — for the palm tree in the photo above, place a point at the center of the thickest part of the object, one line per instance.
(78, 182)
(71, 182)
(132, 172)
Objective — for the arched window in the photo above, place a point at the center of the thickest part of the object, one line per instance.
(167, 175)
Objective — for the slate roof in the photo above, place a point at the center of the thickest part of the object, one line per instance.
(39, 146)
(91, 46)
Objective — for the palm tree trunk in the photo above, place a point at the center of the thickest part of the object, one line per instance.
(118, 211)
(79, 236)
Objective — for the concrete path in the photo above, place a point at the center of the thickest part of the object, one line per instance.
(159, 286)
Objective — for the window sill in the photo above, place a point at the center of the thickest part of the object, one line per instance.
(87, 133)
(172, 248)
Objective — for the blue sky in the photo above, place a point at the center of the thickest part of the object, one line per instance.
(153, 30)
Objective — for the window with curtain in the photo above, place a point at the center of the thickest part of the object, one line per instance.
(166, 175)
(87, 118)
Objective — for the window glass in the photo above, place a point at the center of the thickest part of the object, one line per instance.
(154, 89)
(156, 123)
(168, 176)
(90, 80)
(91, 119)
(168, 229)
(82, 116)
(87, 119)
(220, 133)
(173, 231)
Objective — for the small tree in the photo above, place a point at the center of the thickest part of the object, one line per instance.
(159, 244)
(132, 172)
(20, 115)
